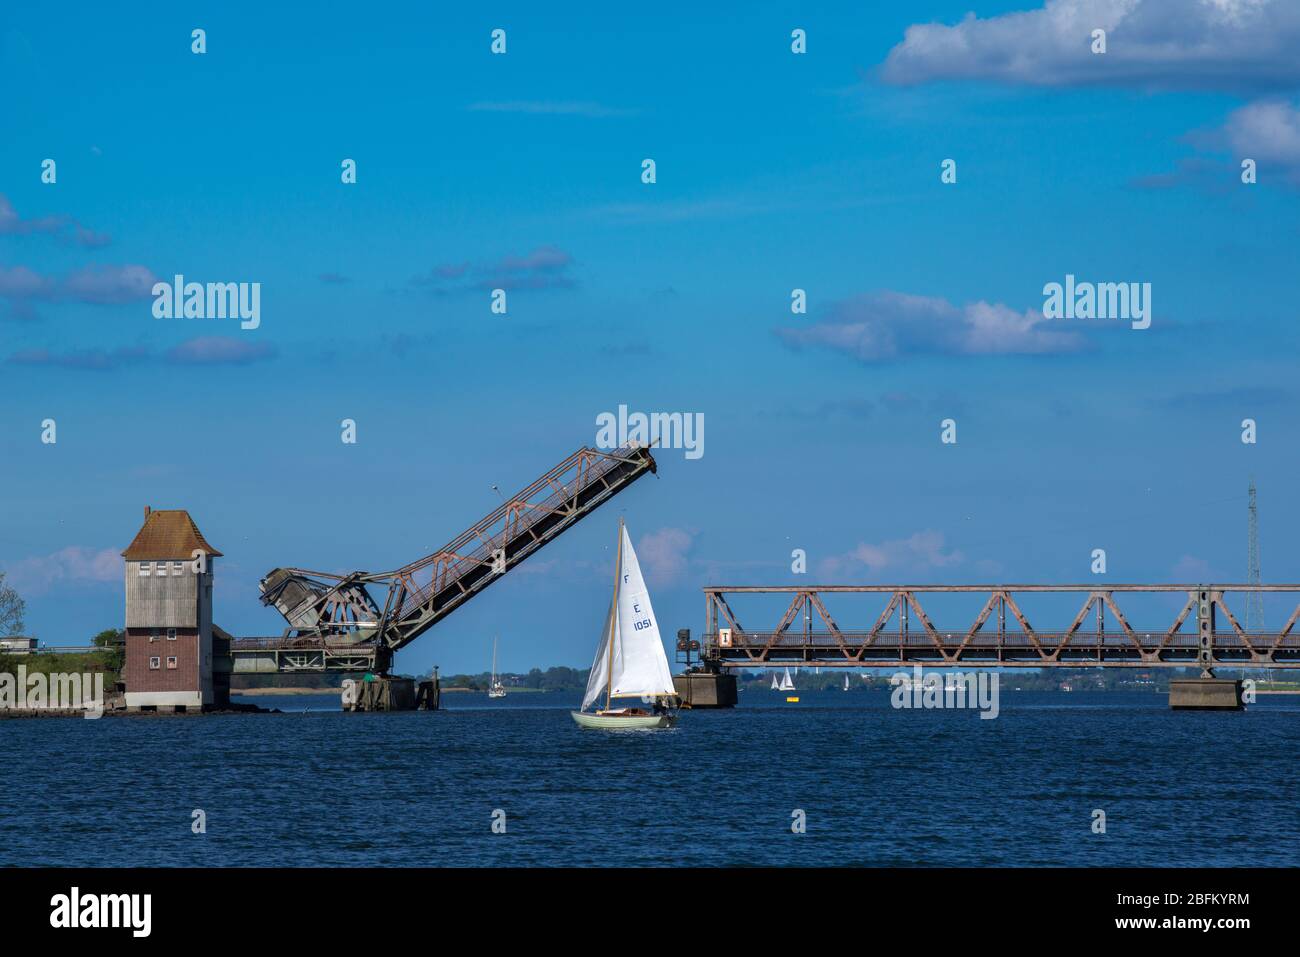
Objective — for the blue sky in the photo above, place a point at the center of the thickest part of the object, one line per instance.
(775, 171)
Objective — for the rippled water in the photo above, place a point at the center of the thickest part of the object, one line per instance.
(878, 786)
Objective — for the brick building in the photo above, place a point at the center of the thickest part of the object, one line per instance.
(169, 631)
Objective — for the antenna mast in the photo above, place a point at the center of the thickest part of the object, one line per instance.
(1254, 599)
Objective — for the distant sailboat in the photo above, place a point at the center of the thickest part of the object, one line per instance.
(630, 660)
(496, 689)
(846, 682)
(776, 685)
(786, 684)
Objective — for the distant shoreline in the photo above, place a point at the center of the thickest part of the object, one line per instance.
(259, 692)
(267, 692)
(290, 692)
(509, 690)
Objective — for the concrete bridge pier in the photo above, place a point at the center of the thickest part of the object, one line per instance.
(706, 689)
(391, 693)
(380, 693)
(1205, 694)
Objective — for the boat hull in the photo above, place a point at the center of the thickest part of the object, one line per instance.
(614, 722)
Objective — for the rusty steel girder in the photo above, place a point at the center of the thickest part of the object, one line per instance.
(340, 608)
(824, 641)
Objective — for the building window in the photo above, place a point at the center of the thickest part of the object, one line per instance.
(161, 569)
(171, 634)
(171, 661)
(153, 634)
(154, 664)
(144, 569)
(178, 567)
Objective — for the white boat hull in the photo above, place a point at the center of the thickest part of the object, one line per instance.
(615, 721)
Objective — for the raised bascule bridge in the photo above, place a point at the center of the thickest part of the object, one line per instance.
(355, 623)
(990, 626)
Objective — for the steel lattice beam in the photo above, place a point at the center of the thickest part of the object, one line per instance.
(326, 608)
(830, 644)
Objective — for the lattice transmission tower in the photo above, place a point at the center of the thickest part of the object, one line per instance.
(1254, 599)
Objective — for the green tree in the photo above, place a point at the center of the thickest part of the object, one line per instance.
(12, 608)
(113, 640)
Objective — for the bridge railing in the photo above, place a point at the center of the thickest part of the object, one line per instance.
(986, 641)
(295, 644)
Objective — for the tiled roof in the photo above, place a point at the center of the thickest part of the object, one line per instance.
(169, 533)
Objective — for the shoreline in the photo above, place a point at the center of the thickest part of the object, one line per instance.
(259, 692)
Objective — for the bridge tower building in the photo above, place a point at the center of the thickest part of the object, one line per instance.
(169, 637)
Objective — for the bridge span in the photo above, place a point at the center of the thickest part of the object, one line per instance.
(351, 623)
(989, 626)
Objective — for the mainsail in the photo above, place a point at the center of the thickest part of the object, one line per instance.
(636, 666)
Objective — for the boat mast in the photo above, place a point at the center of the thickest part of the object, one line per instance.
(613, 619)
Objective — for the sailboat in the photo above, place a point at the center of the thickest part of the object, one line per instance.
(786, 684)
(496, 689)
(775, 685)
(630, 660)
(846, 682)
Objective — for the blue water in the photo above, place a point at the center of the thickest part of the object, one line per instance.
(878, 786)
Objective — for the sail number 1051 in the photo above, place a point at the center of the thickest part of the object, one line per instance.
(644, 623)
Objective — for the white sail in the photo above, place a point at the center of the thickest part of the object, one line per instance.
(495, 688)
(600, 667)
(640, 666)
(775, 685)
(786, 683)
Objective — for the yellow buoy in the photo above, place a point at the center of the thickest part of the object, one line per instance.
(792, 700)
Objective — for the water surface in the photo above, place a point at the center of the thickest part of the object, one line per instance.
(877, 786)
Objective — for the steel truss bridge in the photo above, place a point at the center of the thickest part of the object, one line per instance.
(1201, 630)
(336, 623)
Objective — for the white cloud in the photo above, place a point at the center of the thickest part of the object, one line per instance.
(72, 565)
(1189, 568)
(219, 350)
(886, 325)
(103, 285)
(546, 267)
(663, 555)
(922, 551)
(1267, 132)
(1158, 44)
